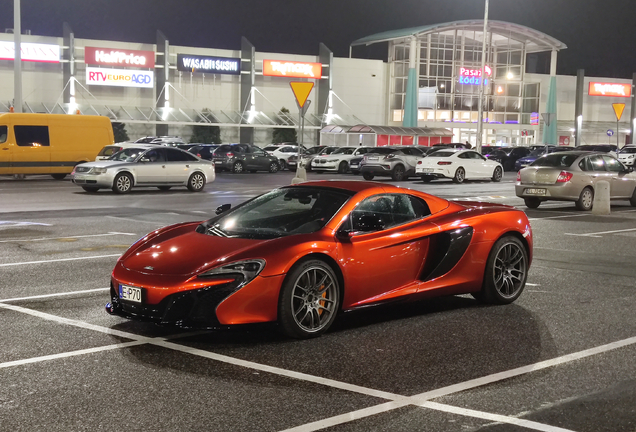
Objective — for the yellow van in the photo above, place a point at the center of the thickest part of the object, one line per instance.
(50, 143)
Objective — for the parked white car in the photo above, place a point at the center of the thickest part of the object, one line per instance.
(458, 165)
(627, 155)
(282, 152)
(338, 161)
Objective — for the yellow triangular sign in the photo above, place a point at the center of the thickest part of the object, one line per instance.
(301, 90)
(618, 110)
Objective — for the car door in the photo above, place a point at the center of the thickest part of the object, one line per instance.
(5, 150)
(621, 184)
(471, 167)
(395, 254)
(150, 167)
(179, 166)
(260, 158)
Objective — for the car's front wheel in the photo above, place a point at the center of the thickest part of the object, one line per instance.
(506, 272)
(309, 300)
(497, 174)
(343, 167)
(273, 167)
(586, 199)
(196, 182)
(122, 183)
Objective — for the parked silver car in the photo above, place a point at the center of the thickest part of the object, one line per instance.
(145, 165)
(572, 176)
(395, 162)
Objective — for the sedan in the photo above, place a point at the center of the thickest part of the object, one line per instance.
(145, 165)
(338, 161)
(458, 165)
(239, 158)
(573, 176)
(301, 254)
(537, 153)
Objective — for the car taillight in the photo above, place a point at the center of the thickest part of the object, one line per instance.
(419, 162)
(389, 156)
(564, 177)
(198, 154)
(519, 176)
(230, 155)
(444, 163)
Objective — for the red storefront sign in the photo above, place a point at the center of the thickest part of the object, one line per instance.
(118, 57)
(610, 89)
(292, 69)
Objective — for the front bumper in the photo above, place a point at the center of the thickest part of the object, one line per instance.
(93, 180)
(328, 166)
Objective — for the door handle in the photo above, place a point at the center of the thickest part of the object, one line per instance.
(6, 148)
(163, 166)
(187, 166)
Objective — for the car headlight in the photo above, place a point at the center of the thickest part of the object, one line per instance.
(247, 270)
(331, 160)
(98, 170)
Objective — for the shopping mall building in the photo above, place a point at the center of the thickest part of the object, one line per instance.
(427, 91)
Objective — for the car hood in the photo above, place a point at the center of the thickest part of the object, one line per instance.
(104, 164)
(185, 252)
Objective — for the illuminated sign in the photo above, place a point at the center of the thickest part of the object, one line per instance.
(292, 69)
(610, 89)
(117, 57)
(217, 65)
(473, 76)
(119, 77)
(31, 52)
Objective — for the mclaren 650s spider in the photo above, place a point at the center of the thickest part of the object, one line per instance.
(300, 254)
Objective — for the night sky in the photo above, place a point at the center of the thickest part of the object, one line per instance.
(600, 35)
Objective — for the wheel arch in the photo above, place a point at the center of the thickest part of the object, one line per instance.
(327, 260)
(520, 237)
(126, 171)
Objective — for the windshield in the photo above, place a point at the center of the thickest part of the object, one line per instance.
(127, 155)
(383, 150)
(328, 150)
(555, 160)
(344, 150)
(109, 150)
(279, 213)
(271, 148)
(628, 150)
(314, 150)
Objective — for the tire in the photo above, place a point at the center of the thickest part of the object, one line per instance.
(273, 167)
(122, 183)
(368, 176)
(90, 189)
(196, 182)
(532, 203)
(426, 178)
(282, 164)
(309, 300)
(398, 173)
(497, 174)
(58, 176)
(632, 200)
(238, 167)
(164, 188)
(460, 175)
(586, 199)
(506, 272)
(343, 167)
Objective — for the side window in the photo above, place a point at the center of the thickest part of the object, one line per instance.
(175, 155)
(3, 134)
(390, 209)
(31, 136)
(612, 164)
(585, 164)
(258, 152)
(463, 156)
(155, 155)
(597, 163)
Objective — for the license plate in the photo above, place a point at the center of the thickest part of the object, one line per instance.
(217, 162)
(79, 177)
(130, 293)
(534, 191)
(372, 158)
(428, 170)
(291, 163)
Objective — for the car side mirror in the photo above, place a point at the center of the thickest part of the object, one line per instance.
(144, 160)
(628, 169)
(223, 208)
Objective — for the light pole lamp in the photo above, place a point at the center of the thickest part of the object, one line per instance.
(480, 109)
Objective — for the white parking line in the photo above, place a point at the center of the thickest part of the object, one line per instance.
(54, 295)
(59, 260)
(112, 233)
(599, 234)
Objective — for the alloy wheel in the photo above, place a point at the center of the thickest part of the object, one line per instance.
(509, 270)
(314, 299)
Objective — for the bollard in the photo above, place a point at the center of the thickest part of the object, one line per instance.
(301, 174)
(601, 203)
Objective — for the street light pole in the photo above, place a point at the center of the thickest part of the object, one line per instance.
(480, 110)
(17, 58)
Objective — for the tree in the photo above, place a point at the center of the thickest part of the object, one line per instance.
(281, 135)
(206, 134)
(119, 131)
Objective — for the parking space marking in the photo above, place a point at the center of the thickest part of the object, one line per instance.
(54, 295)
(112, 233)
(59, 260)
(599, 234)
(20, 223)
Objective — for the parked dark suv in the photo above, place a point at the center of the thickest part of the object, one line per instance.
(239, 158)
(204, 151)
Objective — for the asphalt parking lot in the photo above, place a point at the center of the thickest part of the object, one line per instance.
(561, 358)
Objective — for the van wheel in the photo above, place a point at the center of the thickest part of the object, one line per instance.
(123, 183)
(58, 176)
(196, 182)
(90, 189)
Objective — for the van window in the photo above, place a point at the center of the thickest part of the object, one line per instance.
(31, 136)
(3, 134)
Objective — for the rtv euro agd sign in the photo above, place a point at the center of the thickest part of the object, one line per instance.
(120, 77)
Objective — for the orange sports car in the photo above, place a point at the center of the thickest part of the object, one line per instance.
(300, 254)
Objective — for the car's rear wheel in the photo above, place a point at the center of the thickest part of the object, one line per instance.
(309, 300)
(273, 167)
(238, 167)
(586, 199)
(164, 188)
(368, 176)
(506, 272)
(426, 178)
(343, 167)
(282, 164)
(398, 172)
(532, 202)
(460, 175)
(497, 174)
(90, 189)
(122, 183)
(196, 182)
